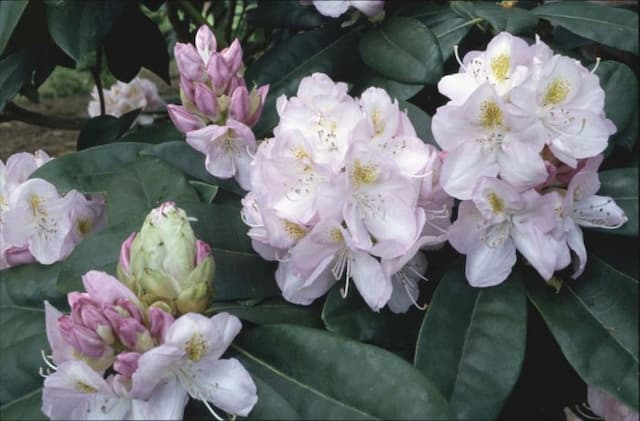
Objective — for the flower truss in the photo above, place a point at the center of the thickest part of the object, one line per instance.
(36, 222)
(346, 190)
(116, 357)
(523, 134)
(123, 97)
(217, 110)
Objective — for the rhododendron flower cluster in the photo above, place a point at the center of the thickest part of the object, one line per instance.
(36, 222)
(117, 357)
(523, 134)
(217, 110)
(346, 190)
(122, 97)
(336, 8)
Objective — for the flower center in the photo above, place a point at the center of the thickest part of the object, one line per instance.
(497, 205)
(84, 226)
(294, 230)
(85, 388)
(363, 174)
(500, 67)
(490, 115)
(557, 92)
(35, 202)
(336, 235)
(196, 347)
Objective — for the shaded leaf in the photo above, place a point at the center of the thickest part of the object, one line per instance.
(287, 14)
(10, 13)
(594, 319)
(614, 27)
(358, 381)
(472, 342)
(105, 129)
(270, 311)
(403, 49)
(15, 69)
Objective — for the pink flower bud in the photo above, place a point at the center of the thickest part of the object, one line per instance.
(233, 56)
(131, 308)
(126, 363)
(205, 43)
(202, 251)
(18, 256)
(239, 104)
(187, 90)
(183, 120)
(160, 323)
(205, 100)
(125, 253)
(189, 62)
(134, 335)
(256, 103)
(104, 288)
(82, 339)
(234, 84)
(218, 71)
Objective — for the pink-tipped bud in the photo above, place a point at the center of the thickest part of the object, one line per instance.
(182, 119)
(218, 71)
(187, 90)
(125, 253)
(205, 43)
(131, 309)
(256, 104)
(202, 251)
(234, 84)
(87, 312)
(206, 101)
(189, 62)
(233, 56)
(82, 339)
(239, 104)
(126, 363)
(134, 335)
(160, 323)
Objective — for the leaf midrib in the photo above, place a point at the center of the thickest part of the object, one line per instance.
(298, 383)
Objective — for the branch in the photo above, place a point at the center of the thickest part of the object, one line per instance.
(95, 72)
(14, 113)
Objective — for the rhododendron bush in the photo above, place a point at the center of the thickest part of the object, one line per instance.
(346, 209)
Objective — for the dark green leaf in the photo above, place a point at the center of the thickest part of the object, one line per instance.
(105, 129)
(158, 132)
(10, 13)
(99, 252)
(287, 14)
(621, 101)
(614, 27)
(352, 317)
(149, 182)
(240, 272)
(511, 19)
(403, 49)
(448, 27)
(472, 341)
(594, 319)
(324, 376)
(78, 27)
(133, 42)
(207, 192)
(22, 292)
(191, 162)
(15, 69)
(622, 185)
(329, 51)
(90, 170)
(421, 121)
(270, 311)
